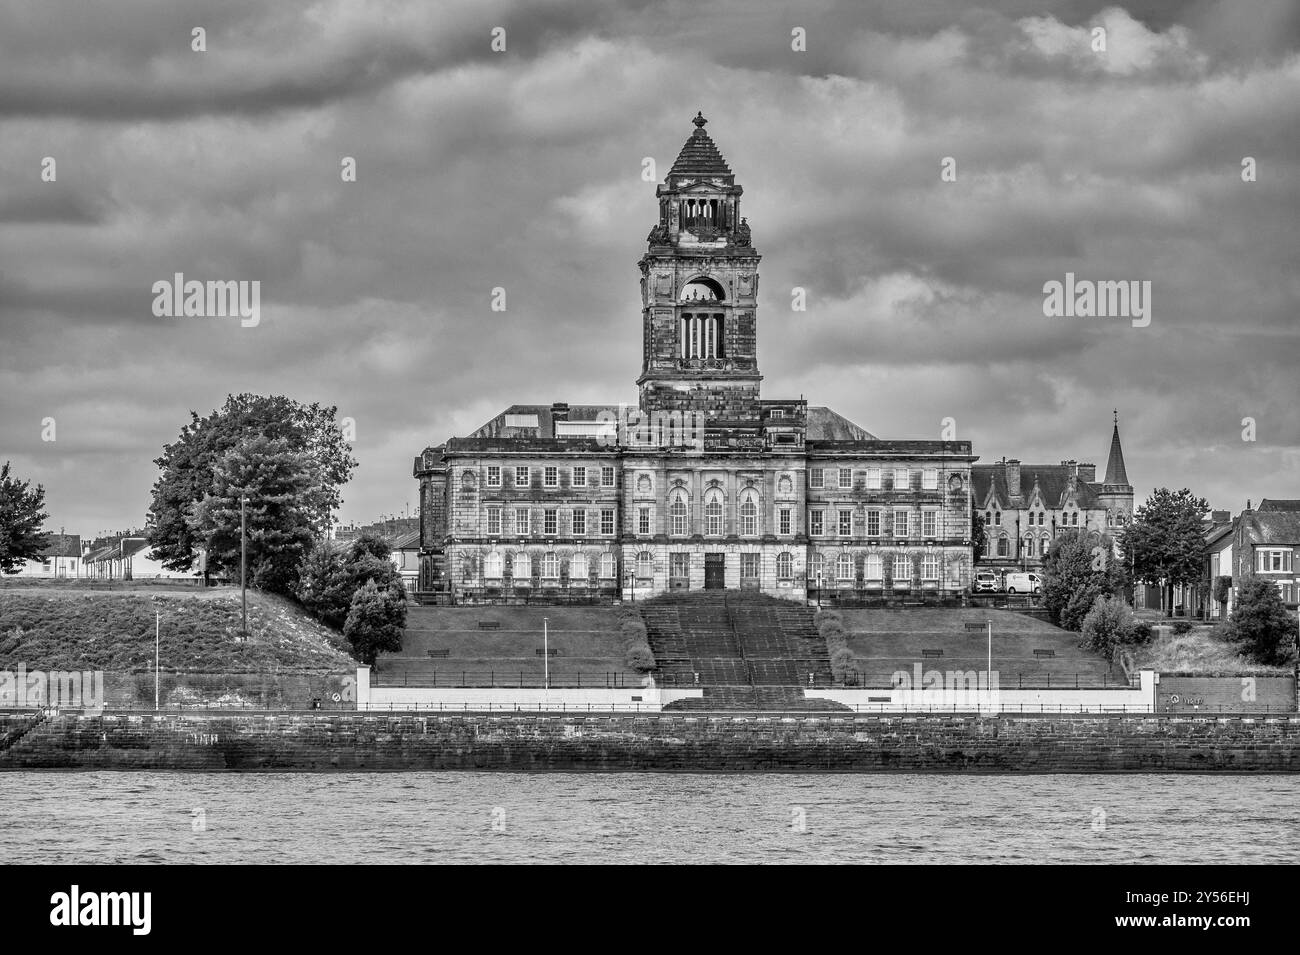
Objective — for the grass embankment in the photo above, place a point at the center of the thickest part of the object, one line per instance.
(199, 633)
(1199, 652)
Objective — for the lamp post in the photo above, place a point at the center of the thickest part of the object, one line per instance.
(243, 563)
(546, 656)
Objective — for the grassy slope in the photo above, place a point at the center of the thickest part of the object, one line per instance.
(115, 631)
(1198, 652)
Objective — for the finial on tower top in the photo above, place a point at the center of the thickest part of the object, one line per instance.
(699, 119)
(1117, 416)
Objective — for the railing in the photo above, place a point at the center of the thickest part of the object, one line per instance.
(1006, 681)
(507, 679)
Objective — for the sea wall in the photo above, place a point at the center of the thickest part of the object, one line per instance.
(658, 742)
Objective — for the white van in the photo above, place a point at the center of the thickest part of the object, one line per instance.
(1024, 583)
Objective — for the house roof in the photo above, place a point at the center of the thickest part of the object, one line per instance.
(1272, 527)
(700, 155)
(826, 425)
(1053, 481)
(63, 545)
(407, 541)
(1279, 504)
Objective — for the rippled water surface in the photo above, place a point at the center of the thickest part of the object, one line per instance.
(569, 817)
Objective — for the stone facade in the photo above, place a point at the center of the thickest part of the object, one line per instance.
(1025, 506)
(714, 486)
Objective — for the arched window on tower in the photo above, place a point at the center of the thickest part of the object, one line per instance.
(677, 514)
(713, 514)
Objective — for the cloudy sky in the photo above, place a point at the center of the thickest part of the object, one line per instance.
(522, 169)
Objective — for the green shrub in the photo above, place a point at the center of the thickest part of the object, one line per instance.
(1108, 624)
(1140, 632)
(822, 616)
(1182, 626)
(1263, 626)
(639, 657)
(375, 622)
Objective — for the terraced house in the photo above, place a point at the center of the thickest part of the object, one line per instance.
(703, 483)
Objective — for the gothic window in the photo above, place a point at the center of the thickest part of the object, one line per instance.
(1004, 546)
(784, 566)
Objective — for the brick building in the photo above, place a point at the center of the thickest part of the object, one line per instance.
(704, 483)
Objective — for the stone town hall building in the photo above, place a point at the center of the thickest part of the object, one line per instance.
(715, 486)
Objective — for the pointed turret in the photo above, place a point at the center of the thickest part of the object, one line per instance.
(1116, 475)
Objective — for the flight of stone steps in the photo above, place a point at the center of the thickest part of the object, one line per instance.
(746, 650)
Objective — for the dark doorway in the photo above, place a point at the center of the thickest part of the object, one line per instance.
(715, 571)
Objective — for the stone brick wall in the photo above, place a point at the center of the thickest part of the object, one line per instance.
(1228, 694)
(655, 743)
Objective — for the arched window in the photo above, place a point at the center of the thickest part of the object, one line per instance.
(713, 515)
(1029, 547)
(875, 567)
(844, 567)
(607, 566)
(550, 565)
(492, 565)
(784, 566)
(645, 564)
(749, 514)
(677, 514)
(1004, 546)
(523, 567)
(578, 568)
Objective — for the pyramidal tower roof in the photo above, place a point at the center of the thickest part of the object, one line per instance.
(1115, 473)
(700, 155)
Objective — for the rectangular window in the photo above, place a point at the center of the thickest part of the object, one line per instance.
(873, 479)
(522, 522)
(521, 477)
(607, 521)
(550, 521)
(930, 479)
(846, 478)
(846, 523)
(579, 523)
(494, 475)
(579, 477)
(902, 479)
(930, 567)
(873, 523)
(607, 477)
(493, 521)
(929, 523)
(815, 522)
(816, 478)
(551, 476)
(643, 521)
(749, 566)
(1273, 561)
(783, 521)
(679, 565)
(900, 523)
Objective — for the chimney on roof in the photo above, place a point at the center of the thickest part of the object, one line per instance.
(560, 411)
(1088, 473)
(1013, 480)
(1248, 504)
(1220, 517)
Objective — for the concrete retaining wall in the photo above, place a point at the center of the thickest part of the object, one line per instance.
(664, 742)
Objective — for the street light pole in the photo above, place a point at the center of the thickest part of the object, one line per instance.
(546, 655)
(243, 563)
(156, 616)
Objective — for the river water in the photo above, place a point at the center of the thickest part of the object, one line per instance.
(138, 817)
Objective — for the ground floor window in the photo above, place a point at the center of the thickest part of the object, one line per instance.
(902, 570)
(550, 566)
(679, 565)
(844, 567)
(578, 568)
(784, 566)
(749, 566)
(875, 567)
(930, 567)
(492, 566)
(607, 566)
(645, 564)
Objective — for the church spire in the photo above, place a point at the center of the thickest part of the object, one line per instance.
(1116, 475)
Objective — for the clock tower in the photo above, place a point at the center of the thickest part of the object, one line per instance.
(699, 287)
